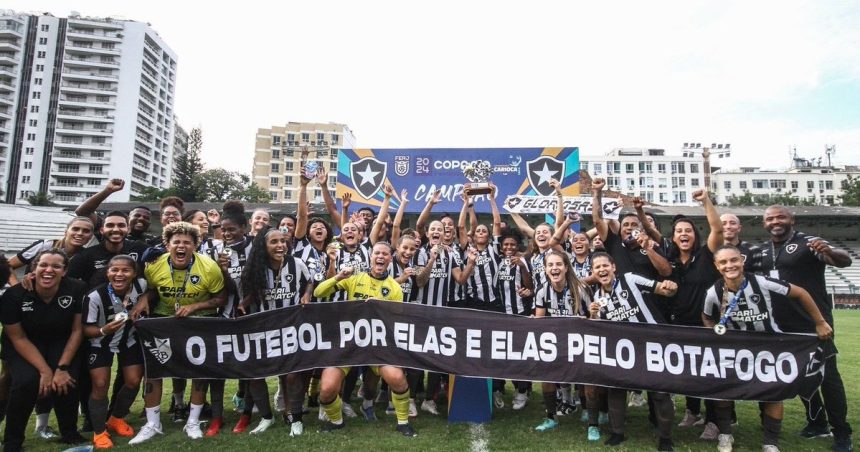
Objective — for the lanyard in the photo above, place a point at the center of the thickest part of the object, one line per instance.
(734, 303)
(781, 247)
(604, 298)
(181, 291)
(580, 268)
(118, 306)
(565, 295)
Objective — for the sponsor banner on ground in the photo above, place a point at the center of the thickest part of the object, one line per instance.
(547, 204)
(681, 360)
(515, 171)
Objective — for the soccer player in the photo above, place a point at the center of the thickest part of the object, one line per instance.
(110, 334)
(564, 295)
(744, 301)
(78, 234)
(376, 283)
(181, 283)
(628, 298)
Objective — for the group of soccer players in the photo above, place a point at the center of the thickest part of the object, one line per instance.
(88, 288)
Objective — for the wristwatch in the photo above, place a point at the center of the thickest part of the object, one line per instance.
(63, 367)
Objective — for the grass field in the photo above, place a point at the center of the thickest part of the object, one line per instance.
(509, 430)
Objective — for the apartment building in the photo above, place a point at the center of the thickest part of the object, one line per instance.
(83, 100)
(278, 156)
(817, 184)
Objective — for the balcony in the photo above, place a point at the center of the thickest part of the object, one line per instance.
(6, 99)
(85, 75)
(76, 114)
(95, 35)
(78, 61)
(78, 48)
(81, 130)
(86, 88)
(77, 157)
(74, 144)
(85, 102)
(11, 31)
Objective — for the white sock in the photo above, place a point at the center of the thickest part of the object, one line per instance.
(366, 403)
(42, 420)
(153, 416)
(565, 395)
(194, 414)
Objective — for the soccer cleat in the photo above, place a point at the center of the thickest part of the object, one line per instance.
(407, 430)
(564, 409)
(593, 433)
(348, 411)
(278, 401)
(584, 417)
(87, 426)
(724, 442)
(102, 440)
(430, 407)
(73, 438)
(547, 424)
(46, 432)
(520, 400)
(242, 425)
(666, 445)
(296, 429)
(615, 439)
(413, 410)
(238, 403)
(843, 443)
(192, 429)
(263, 426)
(146, 433)
(498, 400)
(180, 414)
(322, 416)
(691, 419)
(636, 400)
(811, 431)
(368, 413)
(214, 427)
(769, 448)
(329, 426)
(389, 410)
(710, 433)
(120, 427)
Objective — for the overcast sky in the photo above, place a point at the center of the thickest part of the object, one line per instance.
(761, 75)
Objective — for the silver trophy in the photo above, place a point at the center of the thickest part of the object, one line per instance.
(310, 170)
(478, 173)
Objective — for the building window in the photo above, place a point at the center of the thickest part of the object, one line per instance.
(288, 194)
(276, 153)
(810, 184)
(288, 180)
(34, 109)
(291, 137)
(759, 183)
(29, 151)
(694, 182)
(289, 153)
(320, 136)
(644, 167)
(306, 137)
(317, 193)
(276, 168)
(37, 81)
(40, 54)
(98, 140)
(678, 168)
(598, 168)
(67, 168)
(37, 94)
(273, 181)
(727, 185)
(629, 168)
(28, 165)
(333, 153)
(25, 180)
(777, 183)
(273, 195)
(661, 168)
(40, 68)
(43, 41)
(97, 154)
(31, 136)
(335, 139)
(95, 169)
(828, 185)
(743, 184)
(34, 123)
(288, 166)
(794, 185)
(694, 167)
(45, 27)
(332, 166)
(276, 141)
(94, 181)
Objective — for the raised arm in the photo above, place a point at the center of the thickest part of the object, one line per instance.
(463, 235)
(346, 201)
(522, 225)
(600, 223)
(330, 206)
(302, 209)
(383, 212)
(424, 217)
(91, 204)
(715, 237)
(643, 220)
(660, 263)
(398, 217)
(559, 205)
(497, 218)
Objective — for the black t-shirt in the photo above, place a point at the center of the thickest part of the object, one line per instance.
(631, 260)
(45, 324)
(797, 264)
(90, 264)
(693, 279)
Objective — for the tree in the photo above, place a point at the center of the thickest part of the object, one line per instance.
(188, 165)
(253, 193)
(153, 194)
(785, 199)
(218, 185)
(850, 191)
(40, 199)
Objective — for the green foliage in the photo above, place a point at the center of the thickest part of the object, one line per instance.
(219, 185)
(188, 165)
(153, 194)
(748, 199)
(40, 199)
(850, 191)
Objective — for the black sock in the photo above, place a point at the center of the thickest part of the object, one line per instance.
(772, 428)
(98, 414)
(123, 401)
(549, 402)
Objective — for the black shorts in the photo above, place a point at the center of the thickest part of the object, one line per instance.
(126, 356)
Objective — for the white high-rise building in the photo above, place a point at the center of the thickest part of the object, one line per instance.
(83, 100)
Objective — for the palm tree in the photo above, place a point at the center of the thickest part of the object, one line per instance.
(40, 199)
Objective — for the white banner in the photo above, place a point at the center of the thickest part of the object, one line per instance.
(547, 204)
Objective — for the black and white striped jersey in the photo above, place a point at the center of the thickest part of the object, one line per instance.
(755, 308)
(581, 269)
(284, 289)
(630, 300)
(479, 285)
(315, 260)
(99, 310)
(509, 279)
(27, 254)
(561, 304)
(358, 259)
(437, 291)
(239, 255)
(536, 262)
(456, 291)
(211, 247)
(395, 269)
